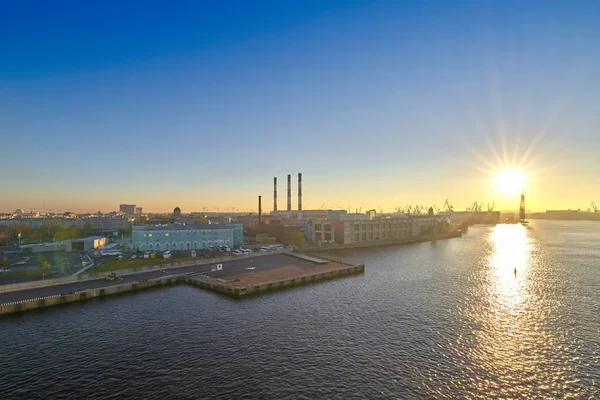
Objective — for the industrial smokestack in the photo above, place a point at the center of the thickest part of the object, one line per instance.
(275, 194)
(289, 208)
(299, 195)
(259, 210)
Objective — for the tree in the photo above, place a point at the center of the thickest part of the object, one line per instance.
(42, 262)
(87, 228)
(4, 261)
(297, 239)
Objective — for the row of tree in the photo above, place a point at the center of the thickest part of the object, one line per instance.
(47, 232)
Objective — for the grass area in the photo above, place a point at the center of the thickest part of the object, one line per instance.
(130, 263)
(30, 273)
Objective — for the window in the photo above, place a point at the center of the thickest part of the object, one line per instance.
(328, 227)
(317, 227)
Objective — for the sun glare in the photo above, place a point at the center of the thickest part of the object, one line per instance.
(509, 181)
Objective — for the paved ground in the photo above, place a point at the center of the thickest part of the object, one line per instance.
(231, 270)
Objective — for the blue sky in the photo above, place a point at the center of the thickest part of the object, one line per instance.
(378, 103)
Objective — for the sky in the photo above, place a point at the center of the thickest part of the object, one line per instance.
(380, 104)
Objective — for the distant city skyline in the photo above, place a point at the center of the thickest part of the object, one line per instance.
(379, 104)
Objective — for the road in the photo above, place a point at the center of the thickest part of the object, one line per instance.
(230, 267)
(94, 284)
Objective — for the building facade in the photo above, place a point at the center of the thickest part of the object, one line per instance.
(186, 237)
(369, 228)
(127, 209)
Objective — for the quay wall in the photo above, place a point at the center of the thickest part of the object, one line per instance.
(96, 275)
(48, 301)
(381, 243)
(240, 291)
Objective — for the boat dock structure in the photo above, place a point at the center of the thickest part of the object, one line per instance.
(235, 278)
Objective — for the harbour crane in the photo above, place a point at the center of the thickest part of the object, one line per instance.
(491, 208)
(417, 209)
(408, 209)
(593, 207)
(475, 207)
(380, 209)
(448, 207)
(436, 209)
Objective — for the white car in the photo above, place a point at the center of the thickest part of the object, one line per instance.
(167, 254)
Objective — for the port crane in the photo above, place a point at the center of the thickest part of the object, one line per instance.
(593, 208)
(475, 207)
(448, 207)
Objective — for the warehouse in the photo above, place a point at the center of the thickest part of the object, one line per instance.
(186, 237)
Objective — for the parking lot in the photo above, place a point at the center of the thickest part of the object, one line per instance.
(27, 266)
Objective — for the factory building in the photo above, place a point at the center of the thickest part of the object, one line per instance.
(86, 244)
(360, 228)
(186, 237)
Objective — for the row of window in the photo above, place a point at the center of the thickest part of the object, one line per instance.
(384, 235)
(214, 233)
(388, 226)
(181, 245)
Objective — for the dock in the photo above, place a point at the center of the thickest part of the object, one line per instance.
(234, 278)
(272, 273)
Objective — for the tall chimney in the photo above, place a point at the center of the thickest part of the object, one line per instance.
(299, 195)
(275, 194)
(289, 208)
(259, 210)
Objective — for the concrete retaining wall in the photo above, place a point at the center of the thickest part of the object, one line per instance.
(85, 294)
(239, 291)
(381, 243)
(95, 275)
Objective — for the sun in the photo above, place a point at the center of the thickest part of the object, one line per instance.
(510, 181)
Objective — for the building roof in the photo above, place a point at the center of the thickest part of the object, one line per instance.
(184, 227)
(87, 238)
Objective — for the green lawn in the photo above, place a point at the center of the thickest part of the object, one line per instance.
(130, 263)
(30, 273)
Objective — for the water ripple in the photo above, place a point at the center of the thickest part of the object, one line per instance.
(446, 320)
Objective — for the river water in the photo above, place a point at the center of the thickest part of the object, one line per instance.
(445, 320)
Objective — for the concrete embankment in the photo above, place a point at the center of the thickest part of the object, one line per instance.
(65, 298)
(382, 243)
(236, 278)
(234, 290)
(91, 275)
